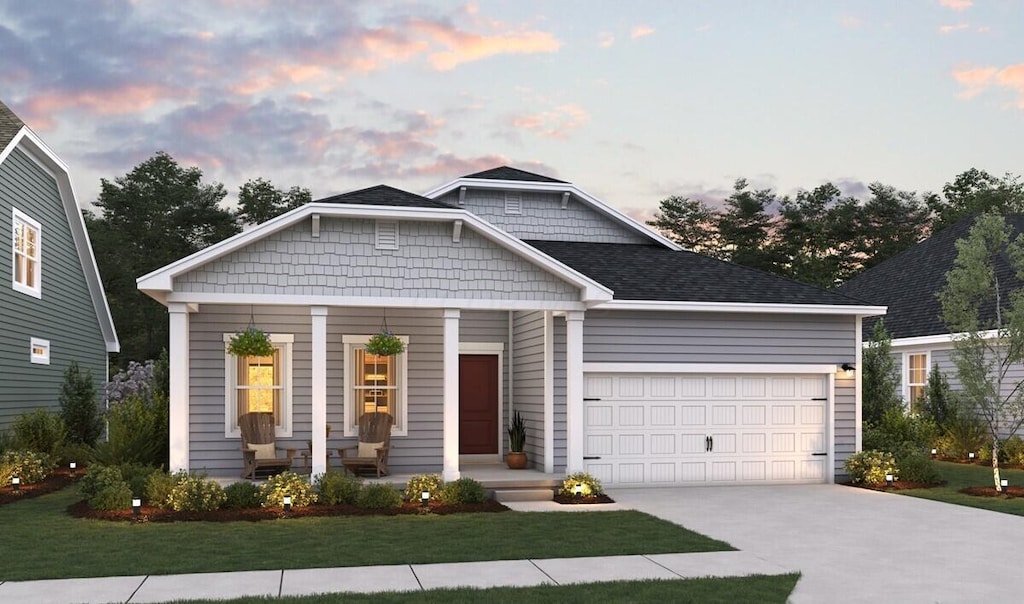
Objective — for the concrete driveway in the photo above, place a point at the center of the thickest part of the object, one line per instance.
(854, 545)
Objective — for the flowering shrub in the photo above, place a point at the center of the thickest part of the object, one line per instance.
(287, 483)
(158, 489)
(333, 488)
(422, 482)
(591, 486)
(463, 490)
(870, 467)
(137, 380)
(29, 466)
(195, 494)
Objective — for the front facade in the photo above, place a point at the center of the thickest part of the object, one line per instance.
(629, 358)
(54, 309)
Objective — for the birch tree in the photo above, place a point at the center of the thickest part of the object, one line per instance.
(986, 316)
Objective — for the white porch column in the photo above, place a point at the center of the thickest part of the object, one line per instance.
(549, 392)
(450, 469)
(318, 318)
(574, 390)
(178, 393)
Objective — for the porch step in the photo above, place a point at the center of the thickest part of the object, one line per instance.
(524, 494)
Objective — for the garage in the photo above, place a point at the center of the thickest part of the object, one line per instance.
(687, 429)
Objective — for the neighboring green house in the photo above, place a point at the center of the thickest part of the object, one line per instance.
(54, 308)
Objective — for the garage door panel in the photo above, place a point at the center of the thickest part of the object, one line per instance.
(663, 444)
(694, 443)
(663, 473)
(723, 415)
(691, 387)
(812, 470)
(723, 387)
(598, 416)
(600, 471)
(631, 473)
(631, 444)
(631, 387)
(753, 387)
(783, 415)
(599, 386)
(663, 387)
(723, 471)
(812, 442)
(783, 442)
(693, 472)
(598, 444)
(632, 415)
(693, 415)
(723, 443)
(663, 415)
(784, 387)
(753, 415)
(812, 415)
(783, 470)
(754, 442)
(754, 470)
(812, 388)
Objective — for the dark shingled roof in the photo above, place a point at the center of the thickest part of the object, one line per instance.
(909, 282)
(649, 272)
(10, 124)
(383, 195)
(507, 173)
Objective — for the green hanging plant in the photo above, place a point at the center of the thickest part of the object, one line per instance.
(385, 344)
(253, 342)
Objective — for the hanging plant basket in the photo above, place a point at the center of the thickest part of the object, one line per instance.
(253, 342)
(385, 344)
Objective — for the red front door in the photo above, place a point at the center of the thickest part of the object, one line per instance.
(478, 404)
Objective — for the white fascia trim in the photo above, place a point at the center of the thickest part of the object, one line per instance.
(745, 307)
(162, 278)
(45, 157)
(366, 302)
(554, 187)
(481, 347)
(733, 368)
(942, 338)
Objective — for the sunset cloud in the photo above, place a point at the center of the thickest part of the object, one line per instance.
(557, 123)
(465, 47)
(641, 31)
(977, 80)
(957, 5)
(948, 29)
(606, 40)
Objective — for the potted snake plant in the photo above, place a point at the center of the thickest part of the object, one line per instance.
(516, 458)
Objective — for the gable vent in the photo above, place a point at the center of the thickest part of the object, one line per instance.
(387, 235)
(513, 203)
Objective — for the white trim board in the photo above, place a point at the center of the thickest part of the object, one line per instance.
(366, 302)
(942, 338)
(735, 368)
(745, 307)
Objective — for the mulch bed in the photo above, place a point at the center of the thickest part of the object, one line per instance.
(151, 514)
(1011, 492)
(899, 485)
(56, 481)
(573, 500)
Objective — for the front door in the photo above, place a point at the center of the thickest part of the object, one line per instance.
(478, 404)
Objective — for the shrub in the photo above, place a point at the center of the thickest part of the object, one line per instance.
(379, 497)
(422, 482)
(81, 454)
(287, 483)
(78, 406)
(112, 497)
(463, 490)
(137, 476)
(1011, 451)
(939, 403)
(193, 493)
(333, 488)
(158, 489)
(870, 467)
(899, 433)
(917, 467)
(6, 441)
(591, 486)
(39, 431)
(964, 434)
(138, 432)
(104, 488)
(241, 495)
(29, 466)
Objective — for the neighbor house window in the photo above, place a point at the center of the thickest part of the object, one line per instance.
(39, 351)
(27, 246)
(260, 384)
(374, 383)
(917, 380)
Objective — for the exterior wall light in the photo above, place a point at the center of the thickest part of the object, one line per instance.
(848, 368)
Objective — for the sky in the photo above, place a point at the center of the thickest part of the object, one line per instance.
(631, 101)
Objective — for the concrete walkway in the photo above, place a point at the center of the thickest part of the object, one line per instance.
(414, 577)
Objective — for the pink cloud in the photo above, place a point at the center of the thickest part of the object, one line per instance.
(957, 5)
(851, 22)
(981, 79)
(948, 29)
(466, 47)
(558, 122)
(641, 31)
(41, 107)
(605, 40)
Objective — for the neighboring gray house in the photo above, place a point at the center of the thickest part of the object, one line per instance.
(54, 309)
(909, 284)
(628, 357)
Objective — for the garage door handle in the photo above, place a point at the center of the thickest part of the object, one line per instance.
(585, 399)
(819, 453)
(585, 458)
(819, 399)
(709, 443)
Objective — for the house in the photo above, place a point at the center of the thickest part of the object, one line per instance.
(628, 358)
(909, 284)
(54, 309)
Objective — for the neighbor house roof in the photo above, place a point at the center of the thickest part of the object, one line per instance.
(10, 125)
(649, 272)
(507, 173)
(909, 283)
(383, 195)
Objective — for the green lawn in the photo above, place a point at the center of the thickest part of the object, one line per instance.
(958, 476)
(758, 588)
(42, 542)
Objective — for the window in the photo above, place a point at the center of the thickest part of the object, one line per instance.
(260, 384)
(39, 351)
(27, 245)
(374, 383)
(917, 379)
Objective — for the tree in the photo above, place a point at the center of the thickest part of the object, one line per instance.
(745, 228)
(259, 200)
(890, 222)
(690, 223)
(156, 214)
(986, 317)
(976, 192)
(880, 378)
(815, 237)
(939, 403)
(78, 406)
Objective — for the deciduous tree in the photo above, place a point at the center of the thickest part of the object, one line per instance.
(259, 200)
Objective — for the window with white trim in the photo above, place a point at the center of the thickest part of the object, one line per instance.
(26, 269)
(916, 379)
(255, 384)
(375, 383)
(39, 351)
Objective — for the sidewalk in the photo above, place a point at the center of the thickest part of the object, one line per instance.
(369, 579)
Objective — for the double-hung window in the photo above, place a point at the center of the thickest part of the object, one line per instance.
(374, 383)
(26, 272)
(256, 384)
(917, 380)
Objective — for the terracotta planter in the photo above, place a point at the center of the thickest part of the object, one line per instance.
(516, 461)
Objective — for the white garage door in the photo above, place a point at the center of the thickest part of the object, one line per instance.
(689, 429)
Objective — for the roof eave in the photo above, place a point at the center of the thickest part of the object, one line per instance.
(744, 307)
